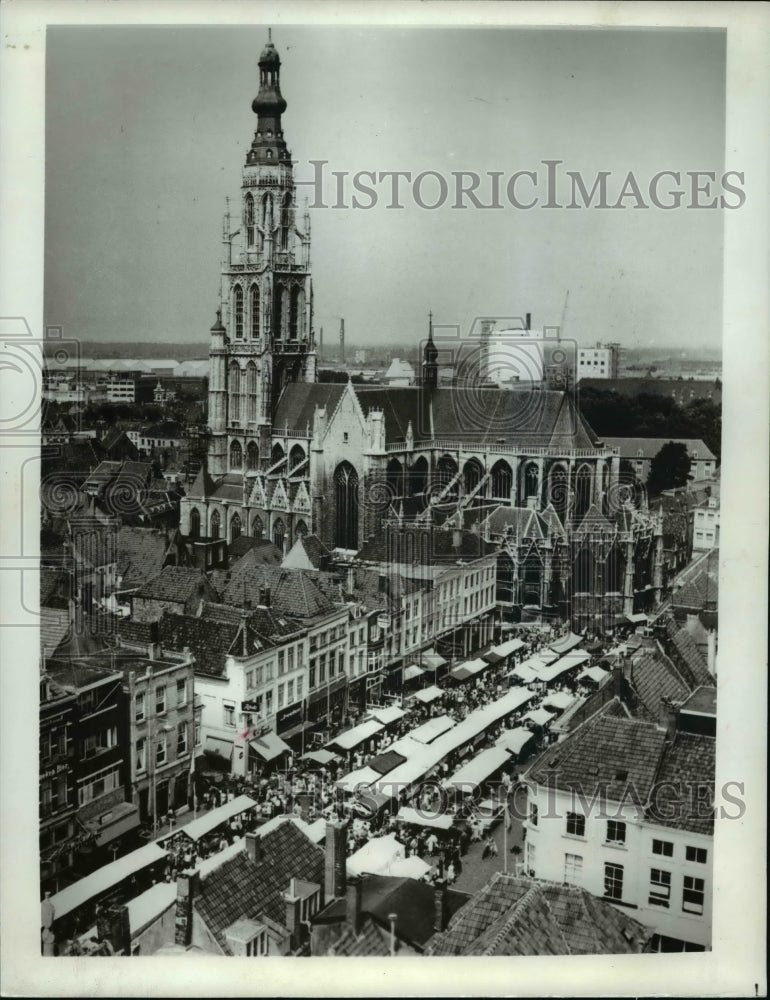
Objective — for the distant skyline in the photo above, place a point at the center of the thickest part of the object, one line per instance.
(147, 129)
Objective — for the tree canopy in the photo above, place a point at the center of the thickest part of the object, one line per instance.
(669, 469)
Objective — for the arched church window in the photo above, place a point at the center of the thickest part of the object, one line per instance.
(234, 386)
(251, 391)
(296, 456)
(238, 310)
(216, 524)
(530, 481)
(235, 527)
(279, 533)
(346, 496)
(301, 529)
(257, 527)
(285, 206)
(267, 212)
(294, 314)
(195, 523)
(276, 454)
(254, 311)
(236, 455)
(252, 456)
(248, 211)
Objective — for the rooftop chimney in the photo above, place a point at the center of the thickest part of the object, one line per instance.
(335, 860)
(264, 597)
(187, 885)
(671, 716)
(293, 912)
(440, 906)
(529, 322)
(353, 904)
(392, 918)
(253, 846)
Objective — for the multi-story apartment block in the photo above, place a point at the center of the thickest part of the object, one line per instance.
(57, 783)
(705, 525)
(599, 361)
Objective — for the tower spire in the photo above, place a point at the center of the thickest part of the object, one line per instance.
(430, 358)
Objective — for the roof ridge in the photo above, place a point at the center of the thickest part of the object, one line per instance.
(517, 910)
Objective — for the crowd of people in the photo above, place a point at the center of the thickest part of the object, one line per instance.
(308, 790)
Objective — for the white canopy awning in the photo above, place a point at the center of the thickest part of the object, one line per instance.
(104, 878)
(478, 769)
(269, 746)
(540, 716)
(205, 824)
(432, 660)
(413, 867)
(513, 740)
(524, 672)
(508, 647)
(595, 674)
(360, 778)
(413, 671)
(353, 737)
(387, 715)
(420, 817)
(375, 857)
(429, 694)
(432, 729)
(559, 700)
(566, 643)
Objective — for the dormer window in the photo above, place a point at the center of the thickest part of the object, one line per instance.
(247, 938)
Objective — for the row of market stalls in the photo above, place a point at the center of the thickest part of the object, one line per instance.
(141, 868)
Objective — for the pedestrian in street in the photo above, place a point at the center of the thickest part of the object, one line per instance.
(431, 844)
(451, 874)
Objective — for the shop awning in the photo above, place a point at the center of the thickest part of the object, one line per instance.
(387, 715)
(354, 737)
(505, 649)
(492, 657)
(513, 740)
(461, 673)
(105, 878)
(301, 727)
(595, 674)
(559, 700)
(432, 660)
(419, 817)
(638, 619)
(429, 694)
(219, 745)
(269, 746)
(413, 672)
(432, 729)
(566, 643)
(123, 816)
(322, 757)
(205, 824)
(479, 769)
(540, 716)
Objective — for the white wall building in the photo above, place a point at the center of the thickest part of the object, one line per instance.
(705, 526)
(611, 809)
(599, 361)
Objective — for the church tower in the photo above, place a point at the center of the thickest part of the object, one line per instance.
(264, 335)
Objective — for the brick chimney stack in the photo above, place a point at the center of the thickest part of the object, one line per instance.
(353, 904)
(440, 906)
(253, 846)
(293, 911)
(335, 860)
(187, 885)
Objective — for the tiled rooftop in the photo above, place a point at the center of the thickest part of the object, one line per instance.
(608, 752)
(516, 916)
(254, 889)
(688, 763)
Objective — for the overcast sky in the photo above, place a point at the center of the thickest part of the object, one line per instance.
(147, 130)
